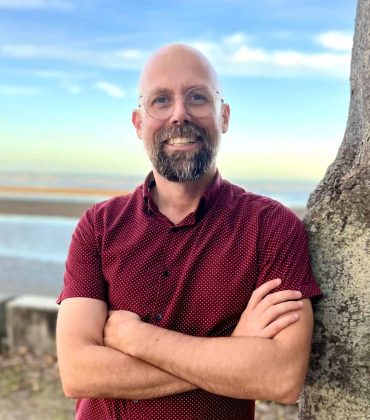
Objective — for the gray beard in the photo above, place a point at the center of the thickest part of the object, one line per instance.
(182, 166)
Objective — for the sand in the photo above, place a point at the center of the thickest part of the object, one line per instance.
(59, 202)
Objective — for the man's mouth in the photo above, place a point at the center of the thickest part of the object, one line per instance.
(180, 140)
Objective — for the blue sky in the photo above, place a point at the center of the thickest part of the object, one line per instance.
(68, 73)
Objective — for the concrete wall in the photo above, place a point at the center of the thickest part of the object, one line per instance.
(29, 322)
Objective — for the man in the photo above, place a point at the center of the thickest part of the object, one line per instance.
(167, 310)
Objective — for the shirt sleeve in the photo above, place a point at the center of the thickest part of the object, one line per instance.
(283, 252)
(83, 275)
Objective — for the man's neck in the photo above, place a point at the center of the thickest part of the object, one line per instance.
(177, 199)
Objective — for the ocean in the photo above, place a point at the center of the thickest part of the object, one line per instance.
(33, 247)
(33, 250)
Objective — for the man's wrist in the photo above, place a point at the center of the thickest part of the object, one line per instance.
(137, 337)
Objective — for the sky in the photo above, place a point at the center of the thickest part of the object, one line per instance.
(69, 71)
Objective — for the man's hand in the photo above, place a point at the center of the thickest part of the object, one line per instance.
(269, 313)
(120, 329)
(247, 365)
(265, 316)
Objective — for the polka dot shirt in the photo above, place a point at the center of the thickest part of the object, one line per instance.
(195, 277)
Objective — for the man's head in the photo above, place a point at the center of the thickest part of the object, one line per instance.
(181, 114)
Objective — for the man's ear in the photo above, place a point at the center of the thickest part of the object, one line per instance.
(225, 117)
(137, 121)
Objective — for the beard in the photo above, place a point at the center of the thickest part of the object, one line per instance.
(178, 166)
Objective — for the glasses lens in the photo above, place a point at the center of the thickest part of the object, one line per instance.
(197, 101)
(159, 105)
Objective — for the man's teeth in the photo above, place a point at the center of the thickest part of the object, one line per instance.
(180, 140)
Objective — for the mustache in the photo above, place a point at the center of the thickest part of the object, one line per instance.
(189, 130)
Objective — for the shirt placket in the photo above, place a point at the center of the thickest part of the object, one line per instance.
(166, 278)
(164, 289)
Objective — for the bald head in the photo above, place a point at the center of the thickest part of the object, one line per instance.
(177, 63)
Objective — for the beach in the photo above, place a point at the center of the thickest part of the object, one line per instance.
(28, 201)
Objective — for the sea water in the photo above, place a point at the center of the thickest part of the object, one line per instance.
(33, 250)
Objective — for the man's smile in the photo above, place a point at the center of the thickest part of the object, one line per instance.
(180, 141)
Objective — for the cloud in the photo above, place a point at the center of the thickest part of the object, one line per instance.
(54, 52)
(35, 4)
(233, 55)
(336, 40)
(130, 54)
(246, 54)
(236, 38)
(13, 90)
(63, 75)
(117, 59)
(110, 89)
(69, 81)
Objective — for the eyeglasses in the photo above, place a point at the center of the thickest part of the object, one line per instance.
(198, 102)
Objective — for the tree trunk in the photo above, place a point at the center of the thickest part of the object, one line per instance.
(338, 222)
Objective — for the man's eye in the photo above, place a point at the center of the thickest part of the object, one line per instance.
(161, 100)
(197, 98)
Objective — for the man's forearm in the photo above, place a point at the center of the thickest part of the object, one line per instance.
(102, 372)
(90, 370)
(239, 367)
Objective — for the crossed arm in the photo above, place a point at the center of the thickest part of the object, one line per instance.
(122, 357)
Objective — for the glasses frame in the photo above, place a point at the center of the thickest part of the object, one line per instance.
(214, 93)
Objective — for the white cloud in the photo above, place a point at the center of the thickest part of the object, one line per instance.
(232, 55)
(52, 74)
(336, 40)
(29, 51)
(238, 57)
(246, 54)
(121, 59)
(69, 81)
(237, 38)
(35, 4)
(320, 61)
(63, 75)
(110, 89)
(13, 90)
(207, 48)
(130, 54)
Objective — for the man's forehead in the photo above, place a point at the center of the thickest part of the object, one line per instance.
(177, 67)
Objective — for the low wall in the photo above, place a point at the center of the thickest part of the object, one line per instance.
(28, 321)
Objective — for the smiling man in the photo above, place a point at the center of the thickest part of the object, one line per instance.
(167, 310)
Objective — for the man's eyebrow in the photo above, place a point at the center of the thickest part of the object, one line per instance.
(158, 90)
(167, 90)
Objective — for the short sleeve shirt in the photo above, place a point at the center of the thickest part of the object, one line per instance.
(195, 277)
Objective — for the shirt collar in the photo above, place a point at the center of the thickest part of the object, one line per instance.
(206, 201)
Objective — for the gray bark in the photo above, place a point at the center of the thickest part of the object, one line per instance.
(338, 222)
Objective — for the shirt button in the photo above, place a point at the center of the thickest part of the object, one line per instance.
(166, 273)
(159, 317)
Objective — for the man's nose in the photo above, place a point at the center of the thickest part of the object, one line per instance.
(180, 113)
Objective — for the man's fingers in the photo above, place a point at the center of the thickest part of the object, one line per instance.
(280, 324)
(276, 311)
(259, 293)
(279, 297)
(263, 294)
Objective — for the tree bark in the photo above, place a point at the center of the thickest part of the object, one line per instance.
(338, 223)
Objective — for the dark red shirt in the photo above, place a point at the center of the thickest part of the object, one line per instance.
(195, 277)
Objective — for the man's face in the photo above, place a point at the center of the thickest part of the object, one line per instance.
(182, 143)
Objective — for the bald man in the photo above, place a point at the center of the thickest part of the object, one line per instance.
(190, 297)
